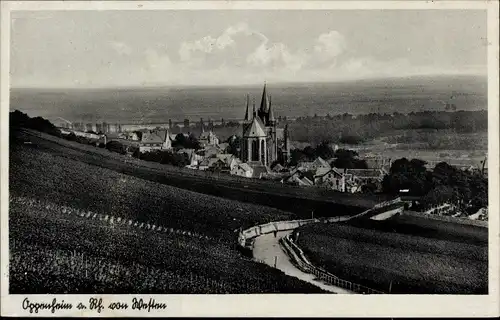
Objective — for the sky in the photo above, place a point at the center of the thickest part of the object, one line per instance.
(220, 47)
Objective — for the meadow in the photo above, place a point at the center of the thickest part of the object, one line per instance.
(400, 258)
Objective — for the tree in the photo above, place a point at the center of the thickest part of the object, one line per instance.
(324, 150)
(406, 174)
(348, 159)
(296, 156)
(116, 146)
(234, 145)
(438, 195)
(21, 119)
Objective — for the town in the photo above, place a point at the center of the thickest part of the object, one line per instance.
(262, 151)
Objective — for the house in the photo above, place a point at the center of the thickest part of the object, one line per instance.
(242, 170)
(195, 159)
(299, 180)
(217, 165)
(361, 177)
(300, 177)
(211, 151)
(366, 174)
(155, 140)
(208, 138)
(313, 165)
(229, 159)
(332, 178)
(203, 164)
(223, 146)
(258, 169)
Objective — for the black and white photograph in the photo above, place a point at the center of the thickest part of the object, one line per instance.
(337, 152)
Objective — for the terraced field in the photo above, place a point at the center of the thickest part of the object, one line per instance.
(56, 252)
(400, 257)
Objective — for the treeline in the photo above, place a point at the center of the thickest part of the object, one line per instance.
(445, 183)
(164, 157)
(342, 158)
(21, 119)
(350, 129)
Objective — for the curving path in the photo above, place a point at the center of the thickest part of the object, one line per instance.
(268, 250)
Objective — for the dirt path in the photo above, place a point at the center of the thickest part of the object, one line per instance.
(267, 249)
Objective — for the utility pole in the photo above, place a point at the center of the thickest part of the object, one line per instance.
(275, 261)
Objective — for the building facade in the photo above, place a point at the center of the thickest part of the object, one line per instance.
(155, 140)
(260, 134)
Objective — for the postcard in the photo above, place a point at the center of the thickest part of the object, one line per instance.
(250, 158)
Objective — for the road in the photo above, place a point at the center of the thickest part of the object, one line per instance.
(267, 249)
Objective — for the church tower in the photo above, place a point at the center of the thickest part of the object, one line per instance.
(260, 139)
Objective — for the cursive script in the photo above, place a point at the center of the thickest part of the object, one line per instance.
(139, 304)
(34, 307)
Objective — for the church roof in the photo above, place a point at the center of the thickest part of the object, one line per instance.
(255, 129)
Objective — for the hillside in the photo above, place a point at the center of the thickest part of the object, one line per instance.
(405, 256)
(55, 250)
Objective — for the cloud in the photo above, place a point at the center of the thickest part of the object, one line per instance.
(330, 44)
(275, 56)
(199, 49)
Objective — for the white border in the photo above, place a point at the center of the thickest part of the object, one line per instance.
(275, 304)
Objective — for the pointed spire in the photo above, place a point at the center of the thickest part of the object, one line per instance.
(270, 113)
(248, 105)
(254, 112)
(264, 104)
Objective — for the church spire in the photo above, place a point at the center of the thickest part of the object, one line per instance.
(270, 113)
(264, 103)
(254, 113)
(248, 105)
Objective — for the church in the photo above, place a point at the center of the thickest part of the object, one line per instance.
(262, 141)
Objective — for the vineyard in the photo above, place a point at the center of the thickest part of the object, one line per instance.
(298, 200)
(43, 175)
(379, 255)
(78, 228)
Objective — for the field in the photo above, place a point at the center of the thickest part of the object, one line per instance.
(401, 257)
(54, 251)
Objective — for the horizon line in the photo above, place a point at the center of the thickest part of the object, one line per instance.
(252, 84)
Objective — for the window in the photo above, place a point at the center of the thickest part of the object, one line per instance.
(255, 150)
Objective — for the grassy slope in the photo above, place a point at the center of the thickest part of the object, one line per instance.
(123, 259)
(376, 253)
